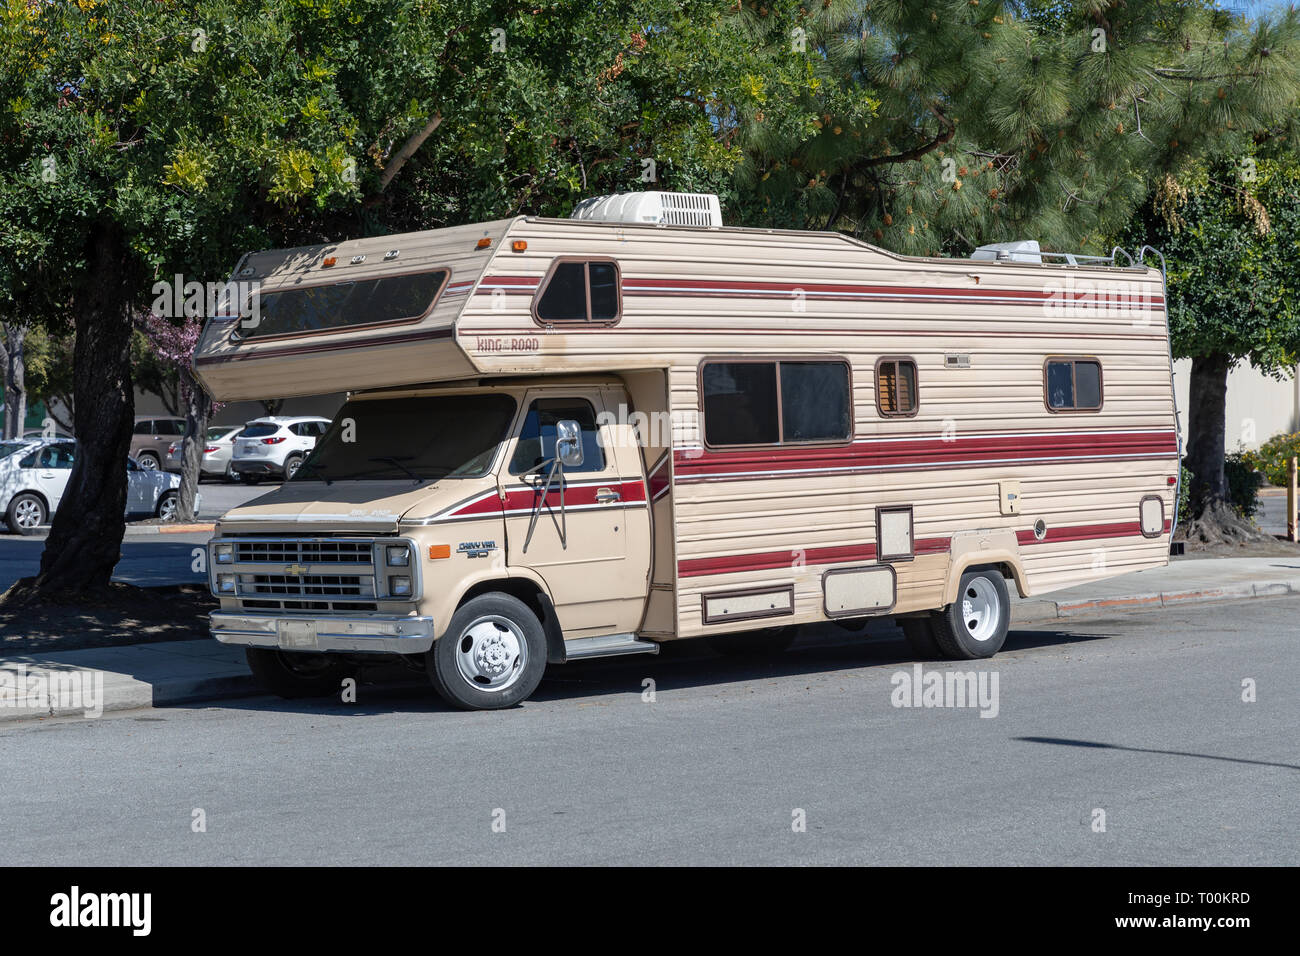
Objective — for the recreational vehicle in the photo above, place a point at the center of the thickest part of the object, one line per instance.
(584, 437)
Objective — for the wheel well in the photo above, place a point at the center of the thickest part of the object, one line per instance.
(537, 601)
(1004, 568)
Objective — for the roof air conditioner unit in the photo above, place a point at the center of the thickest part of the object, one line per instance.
(1026, 250)
(653, 207)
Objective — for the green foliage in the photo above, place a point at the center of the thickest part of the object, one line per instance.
(1230, 233)
(1273, 455)
(1244, 483)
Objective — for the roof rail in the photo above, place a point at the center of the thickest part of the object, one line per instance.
(1029, 251)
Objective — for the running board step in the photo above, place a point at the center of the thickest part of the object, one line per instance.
(611, 645)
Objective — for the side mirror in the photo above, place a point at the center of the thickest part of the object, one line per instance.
(568, 443)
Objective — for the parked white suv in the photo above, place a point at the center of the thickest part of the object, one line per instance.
(274, 447)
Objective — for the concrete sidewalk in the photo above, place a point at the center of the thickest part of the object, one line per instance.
(152, 675)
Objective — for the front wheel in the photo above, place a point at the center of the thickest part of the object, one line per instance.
(26, 514)
(492, 656)
(296, 674)
(975, 625)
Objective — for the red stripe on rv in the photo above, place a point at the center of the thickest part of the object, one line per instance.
(876, 453)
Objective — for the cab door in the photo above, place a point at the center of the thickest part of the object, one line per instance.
(591, 544)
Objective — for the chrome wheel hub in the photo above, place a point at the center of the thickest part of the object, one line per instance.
(491, 654)
(981, 609)
(28, 514)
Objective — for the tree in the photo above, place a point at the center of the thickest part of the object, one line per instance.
(13, 336)
(1230, 231)
(173, 346)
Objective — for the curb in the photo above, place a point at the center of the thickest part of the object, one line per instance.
(138, 695)
(1031, 610)
(169, 529)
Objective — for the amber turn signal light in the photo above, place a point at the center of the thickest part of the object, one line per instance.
(484, 243)
(437, 551)
(518, 245)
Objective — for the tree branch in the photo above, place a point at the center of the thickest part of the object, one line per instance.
(407, 151)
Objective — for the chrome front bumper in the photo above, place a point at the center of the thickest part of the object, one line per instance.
(375, 633)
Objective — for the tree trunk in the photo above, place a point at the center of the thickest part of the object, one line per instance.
(12, 353)
(85, 539)
(1213, 519)
(198, 410)
(1207, 430)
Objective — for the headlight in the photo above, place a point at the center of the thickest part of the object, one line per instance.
(223, 554)
(399, 586)
(225, 584)
(398, 556)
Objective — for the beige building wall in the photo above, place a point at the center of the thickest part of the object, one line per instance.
(1258, 406)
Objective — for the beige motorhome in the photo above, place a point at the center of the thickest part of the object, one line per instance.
(586, 437)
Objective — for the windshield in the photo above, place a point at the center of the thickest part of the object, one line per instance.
(8, 448)
(218, 432)
(422, 439)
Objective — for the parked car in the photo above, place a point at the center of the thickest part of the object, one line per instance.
(34, 477)
(217, 453)
(275, 446)
(151, 437)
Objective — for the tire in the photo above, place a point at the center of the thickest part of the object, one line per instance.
(492, 656)
(294, 675)
(291, 465)
(27, 513)
(167, 505)
(919, 632)
(772, 640)
(975, 625)
(148, 461)
(233, 476)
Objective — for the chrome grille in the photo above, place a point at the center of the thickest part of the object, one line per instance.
(306, 585)
(303, 551)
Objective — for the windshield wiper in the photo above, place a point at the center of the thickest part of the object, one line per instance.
(397, 463)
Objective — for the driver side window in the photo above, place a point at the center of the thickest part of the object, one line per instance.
(537, 436)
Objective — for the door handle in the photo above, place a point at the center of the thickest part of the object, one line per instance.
(606, 495)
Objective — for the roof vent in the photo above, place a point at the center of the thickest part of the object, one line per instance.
(653, 207)
(1026, 250)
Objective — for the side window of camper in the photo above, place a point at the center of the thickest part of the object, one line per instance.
(580, 291)
(1072, 385)
(771, 403)
(537, 435)
(896, 395)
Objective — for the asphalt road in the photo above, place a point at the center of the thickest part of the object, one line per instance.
(1139, 716)
(146, 560)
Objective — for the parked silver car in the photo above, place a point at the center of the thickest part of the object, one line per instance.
(34, 476)
(217, 453)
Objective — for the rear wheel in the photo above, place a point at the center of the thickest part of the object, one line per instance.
(26, 514)
(148, 461)
(492, 656)
(291, 674)
(772, 640)
(291, 465)
(975, 625)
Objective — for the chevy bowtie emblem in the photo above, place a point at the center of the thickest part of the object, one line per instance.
(295, 569)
